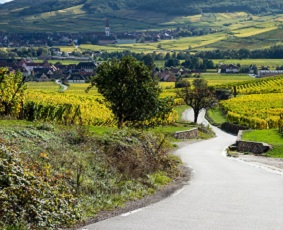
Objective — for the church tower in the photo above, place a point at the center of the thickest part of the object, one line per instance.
(107, 28)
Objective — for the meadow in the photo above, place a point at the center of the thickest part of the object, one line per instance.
(270, 136)
(271, 63)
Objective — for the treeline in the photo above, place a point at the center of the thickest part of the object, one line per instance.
(23, 52)
(178, 7)
(170, 58)
(274, 52)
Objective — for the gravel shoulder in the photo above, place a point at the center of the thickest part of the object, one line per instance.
(273, 163)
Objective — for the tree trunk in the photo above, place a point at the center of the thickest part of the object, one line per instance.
(120, 123)
(196, 113)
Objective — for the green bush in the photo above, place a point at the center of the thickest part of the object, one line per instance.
(137, 154)
(31, 196)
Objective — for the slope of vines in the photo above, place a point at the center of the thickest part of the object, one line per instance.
(259, 86)
(258, 111)
(74, 109)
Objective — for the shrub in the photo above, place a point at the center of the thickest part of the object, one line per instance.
(137, 154)
(30, 195)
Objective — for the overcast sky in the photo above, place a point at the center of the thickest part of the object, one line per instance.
(3, 1)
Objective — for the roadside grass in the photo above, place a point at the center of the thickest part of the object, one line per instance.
(87, 158)
(216, 116)
(270, 136)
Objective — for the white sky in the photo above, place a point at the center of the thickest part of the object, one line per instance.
(3, 1)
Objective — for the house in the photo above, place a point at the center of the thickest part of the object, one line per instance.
(49, 72)
(29, 66)
(87, 66)
(76, 78)
(167, 76)
(41, 77)
(229, 68)
(269, 73)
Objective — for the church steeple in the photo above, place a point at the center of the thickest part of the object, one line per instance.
(107, 28)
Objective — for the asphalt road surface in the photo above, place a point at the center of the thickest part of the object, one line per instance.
(224, 194)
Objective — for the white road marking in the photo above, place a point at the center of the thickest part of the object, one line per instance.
(132, 212)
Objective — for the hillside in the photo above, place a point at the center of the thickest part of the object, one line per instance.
(89, 15)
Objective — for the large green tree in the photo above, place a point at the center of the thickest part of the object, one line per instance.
(197, 95)
(130, 92)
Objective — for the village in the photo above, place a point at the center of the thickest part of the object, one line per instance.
(106, 37)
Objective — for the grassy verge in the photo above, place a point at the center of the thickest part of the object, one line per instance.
(104, 167)
(180, 109)
(216, 116)
(270, 136)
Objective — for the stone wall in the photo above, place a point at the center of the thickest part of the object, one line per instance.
(251, 146)
(232, 128)
(187, 134)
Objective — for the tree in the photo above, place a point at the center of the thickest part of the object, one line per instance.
(130, 91)
(172, 62)
(12, 90)
(148, 60)
(198, 96)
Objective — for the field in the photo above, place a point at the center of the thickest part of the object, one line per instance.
(223, 79)
(270, 136)
(271, 63)
(232, 30)
(259, 103)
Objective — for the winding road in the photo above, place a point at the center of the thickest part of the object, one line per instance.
(224, 194)
(63, 87)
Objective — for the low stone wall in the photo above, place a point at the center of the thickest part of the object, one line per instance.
(252, 147)
(232, 128)
(187, 134)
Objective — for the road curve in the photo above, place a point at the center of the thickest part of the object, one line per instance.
(64, 87)
(224, 194)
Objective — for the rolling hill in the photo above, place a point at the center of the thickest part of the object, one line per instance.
(89, 15)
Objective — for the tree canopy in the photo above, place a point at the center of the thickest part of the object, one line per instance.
(198, 95)
(130, 92)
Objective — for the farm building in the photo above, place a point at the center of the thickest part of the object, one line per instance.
(229, 68)
(269, 73)
(76, 78)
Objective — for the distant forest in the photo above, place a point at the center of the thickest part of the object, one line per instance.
(176, 7)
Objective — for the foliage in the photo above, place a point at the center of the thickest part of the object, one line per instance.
(181, 7)
(66, 109)
(198, 96)
(85, 161)
(258, 111)
(274, 52)
(130, 92)
(12, 92)
(29, 194)
(258, 86)
(216, 116)
(136, 154)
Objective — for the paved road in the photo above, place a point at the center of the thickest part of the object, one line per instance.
(224, 194)
(64, 87)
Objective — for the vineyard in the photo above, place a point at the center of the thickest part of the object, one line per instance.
(258, 111)
(74, 106)
(259, 86)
